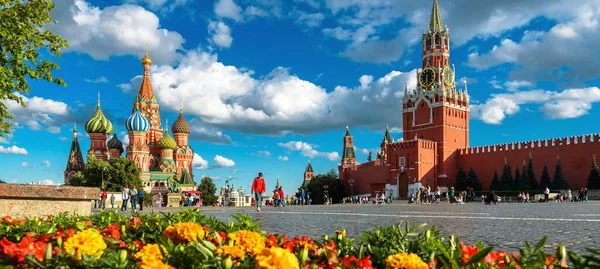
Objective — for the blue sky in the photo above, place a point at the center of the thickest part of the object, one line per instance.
(269, 84)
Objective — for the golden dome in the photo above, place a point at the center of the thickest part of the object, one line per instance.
(146, 60)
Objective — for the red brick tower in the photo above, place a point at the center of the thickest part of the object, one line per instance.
(387, 139)
(348, 156)
(98, 127)
(137, 150)
(115, 146)
(436, 110)
(183, 153)
(149, 108)
(308, 173)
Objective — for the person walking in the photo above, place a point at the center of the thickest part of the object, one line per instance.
(258, 188)
(141, 195)
(134, 195)
(103, 199)
(546, 194)
(125, 195)
(112, 200)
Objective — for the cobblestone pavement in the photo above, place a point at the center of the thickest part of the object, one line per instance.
(506, 226)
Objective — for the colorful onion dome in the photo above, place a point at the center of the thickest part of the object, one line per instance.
(114, 142)
(146, 60)
(181, 126)
(98, 123)
(167, 142)
(137, 122)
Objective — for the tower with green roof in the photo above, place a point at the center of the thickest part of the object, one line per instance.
(98, 127)
(348, 155)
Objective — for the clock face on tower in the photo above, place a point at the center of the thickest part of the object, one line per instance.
(448, 75)
(427, 77)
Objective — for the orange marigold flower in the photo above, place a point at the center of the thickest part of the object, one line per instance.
(89, 242)
(234, 251)
(150, 257)
(275, 258)
(185, 232)
(251, 242)
(405, 261)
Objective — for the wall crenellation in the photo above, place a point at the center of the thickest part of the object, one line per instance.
(543, 143)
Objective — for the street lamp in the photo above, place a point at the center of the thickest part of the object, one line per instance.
(104, 168)
(325, 194)
(351, 182)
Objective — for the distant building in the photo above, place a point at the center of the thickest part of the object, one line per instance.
(75, 162)
(436, 135)
(308, 173)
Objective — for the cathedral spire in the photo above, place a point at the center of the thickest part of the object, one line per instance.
(309, 168)
(146, 92)
(75, 162)
(435, 23)
(387, 138)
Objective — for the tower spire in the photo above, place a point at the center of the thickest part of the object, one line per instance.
(98, 98)
(435, 22)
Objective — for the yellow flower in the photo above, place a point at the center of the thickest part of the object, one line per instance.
(235, 252)
(185, 232)
(250, 242)
(340, 232)
(150, 257)
(405, 261)
(275, 257)
(89, 242)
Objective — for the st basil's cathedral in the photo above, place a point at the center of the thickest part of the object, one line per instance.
(159, 155)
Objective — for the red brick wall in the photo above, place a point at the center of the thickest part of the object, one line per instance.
(364, 175)
(575, 157)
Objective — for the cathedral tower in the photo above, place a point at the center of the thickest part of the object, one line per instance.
(436, 110)
(308, 173)
(137, 126)
(148, 106)
(387, 139)
(183, 153)
(98, 127)
(348, 156)
(167, 144)
(115, 146)
(75, 162)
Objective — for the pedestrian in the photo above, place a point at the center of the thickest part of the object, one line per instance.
(125, 196)
(258, 188)
(134, 195)
(103, 199)
(141, 195)
(112, 200)
(546, 193)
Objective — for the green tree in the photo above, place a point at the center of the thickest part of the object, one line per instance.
(517, 179)
(2, 181)
(335, 187)
(506, 180)
(495, 184)
(22, 35)
(208, 191)
(533, 184)
(545, 178)
(524, 179)
(558, 181)
(77, 179)
(369, 158)
(474, 181)
(378, 155)
(116, 173)
(594, 177)
(462, 180)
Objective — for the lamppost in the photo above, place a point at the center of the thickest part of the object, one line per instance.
(351, 182)
(104, 168)
(326, 194)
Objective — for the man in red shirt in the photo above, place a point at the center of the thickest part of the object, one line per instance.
(258, 188)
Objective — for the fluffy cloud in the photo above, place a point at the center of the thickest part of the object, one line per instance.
(227, 97)
(47, 182)
(46, 163)
(220, 34)
(560, 54)
(28, 165)
(309, 150)
(228, 9)
(283, 158)
(202, 132)
(114, 31)
(161, 5)
(310, 19)
(571, 103)
(221, 161)
(39, 113)
(13, 150)
(98, 80)
(262, 153)
(198, 163)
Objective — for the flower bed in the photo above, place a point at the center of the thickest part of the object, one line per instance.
(188, 239)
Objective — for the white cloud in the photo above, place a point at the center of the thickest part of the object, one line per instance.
(125, 87)
(40, 113)
(198, 163)
(309, 150)
(27, 165)
(114, 31)
(310, 19)
(98, 80)
(13, 150)
(161, 5)
(46, 163)
(227, 97)
(47, 182)
(228, 9)
(515, 85)
(263, 153)
(571, 103)
(221, 161)
(6, 139)
(63, 138)
(220, 34)
(202, 132)
(283, 158)
(252, 11)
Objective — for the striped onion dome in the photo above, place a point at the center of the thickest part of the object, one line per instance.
(98, 123)
(137, 122)
(167, 142)
(114, 142)
(181, 126)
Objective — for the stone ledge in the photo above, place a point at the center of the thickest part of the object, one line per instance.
(41, 192)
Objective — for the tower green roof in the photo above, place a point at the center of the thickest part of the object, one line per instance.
(435, 22)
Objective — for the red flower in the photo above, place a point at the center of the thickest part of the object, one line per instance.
(7, 219)
(88, 223)
(467, 252)
(135, 221)
(27, 246)
(272, 241)
(112, 231)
